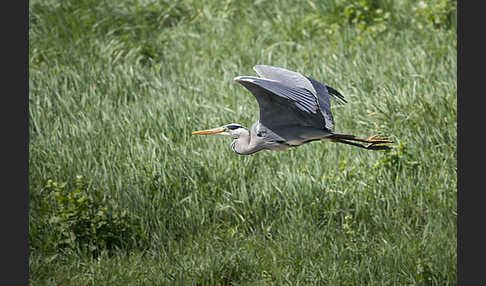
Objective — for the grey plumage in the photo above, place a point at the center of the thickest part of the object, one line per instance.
(294, 109)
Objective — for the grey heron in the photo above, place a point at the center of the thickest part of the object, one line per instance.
(294, 110)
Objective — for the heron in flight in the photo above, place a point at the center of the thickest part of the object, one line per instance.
(294, 110)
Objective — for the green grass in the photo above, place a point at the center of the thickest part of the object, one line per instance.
(116, 87)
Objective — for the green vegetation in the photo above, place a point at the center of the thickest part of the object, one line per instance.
(122, 194)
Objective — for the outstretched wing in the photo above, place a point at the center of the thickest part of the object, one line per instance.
(321, 92)
(287, 98)
(281, 105)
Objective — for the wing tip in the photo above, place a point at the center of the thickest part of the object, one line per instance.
(241, 79)
(245, 78)
(258, 69)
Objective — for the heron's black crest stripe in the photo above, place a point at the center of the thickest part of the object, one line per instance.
(233, 126)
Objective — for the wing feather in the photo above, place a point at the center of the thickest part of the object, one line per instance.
(278, 107)
(299, 96)
(291, 78)
(289, 98)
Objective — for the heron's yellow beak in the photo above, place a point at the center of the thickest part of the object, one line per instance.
(209, 131)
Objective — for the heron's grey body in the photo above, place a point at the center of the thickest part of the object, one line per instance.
(294, 110)
(260, 137)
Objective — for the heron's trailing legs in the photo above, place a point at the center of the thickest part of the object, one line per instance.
(373, 140)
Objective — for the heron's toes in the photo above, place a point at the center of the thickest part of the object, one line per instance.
(376, 139)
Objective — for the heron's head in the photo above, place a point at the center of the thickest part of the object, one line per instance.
(233, 130)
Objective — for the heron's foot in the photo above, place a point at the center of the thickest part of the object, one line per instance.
(374, 142)
(375, 139)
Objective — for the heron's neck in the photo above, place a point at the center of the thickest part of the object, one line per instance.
(243, 145)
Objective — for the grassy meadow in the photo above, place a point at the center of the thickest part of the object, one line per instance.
(121, 193)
